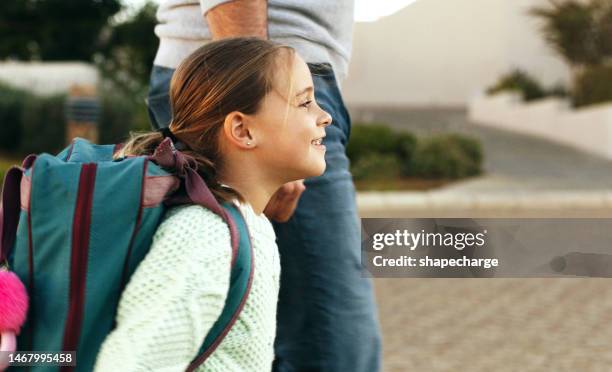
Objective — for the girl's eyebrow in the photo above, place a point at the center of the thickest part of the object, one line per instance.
(305, 90)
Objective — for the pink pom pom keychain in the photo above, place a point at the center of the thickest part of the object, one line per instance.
(13, 310)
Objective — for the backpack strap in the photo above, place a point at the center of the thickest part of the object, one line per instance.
(9, 211)
(240, 286)
(10, 206)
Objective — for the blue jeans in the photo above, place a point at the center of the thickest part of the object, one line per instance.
(326, 311)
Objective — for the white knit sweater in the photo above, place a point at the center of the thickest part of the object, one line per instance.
(178, 291)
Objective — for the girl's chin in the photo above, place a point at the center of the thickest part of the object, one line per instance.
(313, 172)
(313, 168)
(320, 170)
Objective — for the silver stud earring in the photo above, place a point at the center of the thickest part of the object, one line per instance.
(248, 143)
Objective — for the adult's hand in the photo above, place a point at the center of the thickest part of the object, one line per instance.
(282, 204)
(238, 18)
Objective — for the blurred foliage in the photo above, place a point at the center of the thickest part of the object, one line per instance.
(378, 152)
(125, 61)
(67, 30)
(119, 116)
(34, 124)
(593, 86)
(127, 52)
(53, 30)
(521, 82)
(558, 90)
(471, 147)
(374, 165)
(379, 138)
(405, 146)
(580, 31)
(31, 123)
(11, 111)
(526, 85)
(115, 116)
(43, 124)
(447, 156)
(372, 137)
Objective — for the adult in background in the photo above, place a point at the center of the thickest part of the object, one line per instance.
(326, 310)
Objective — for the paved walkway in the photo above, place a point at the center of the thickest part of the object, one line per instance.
(440, 325)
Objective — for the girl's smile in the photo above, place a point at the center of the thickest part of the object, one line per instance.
(318, 144)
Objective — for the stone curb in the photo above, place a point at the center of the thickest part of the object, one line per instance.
(487, 201)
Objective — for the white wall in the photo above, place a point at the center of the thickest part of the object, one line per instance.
(48, 77)
(588, 129)
(443, 52)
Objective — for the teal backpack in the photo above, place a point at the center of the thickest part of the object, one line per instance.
(74, 227)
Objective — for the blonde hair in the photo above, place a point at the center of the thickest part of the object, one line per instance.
(219, 78)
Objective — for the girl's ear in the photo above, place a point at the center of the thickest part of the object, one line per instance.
(236, 130)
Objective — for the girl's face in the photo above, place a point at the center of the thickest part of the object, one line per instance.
(289, 127)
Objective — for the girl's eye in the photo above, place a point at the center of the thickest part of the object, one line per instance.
(306, 104)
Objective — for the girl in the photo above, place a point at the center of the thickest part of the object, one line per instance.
(244, 108)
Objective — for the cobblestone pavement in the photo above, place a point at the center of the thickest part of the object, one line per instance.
(433, 325)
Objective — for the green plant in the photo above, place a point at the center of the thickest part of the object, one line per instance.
(558, 90)
(43, 124)
(405, 146)
(469, 145)
(119, 116)
(593, 86)
(370, 138)
(11, 111)
(379, 138)
(521, 82)
(379, 153)
(115, 115)
(376, 166)
(31, 123)
(58, 30)
(580, 31)
(127, 51)
(447, 156)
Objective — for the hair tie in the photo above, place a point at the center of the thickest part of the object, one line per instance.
(167, 133)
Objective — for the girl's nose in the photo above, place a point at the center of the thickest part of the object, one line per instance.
(325, 119)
